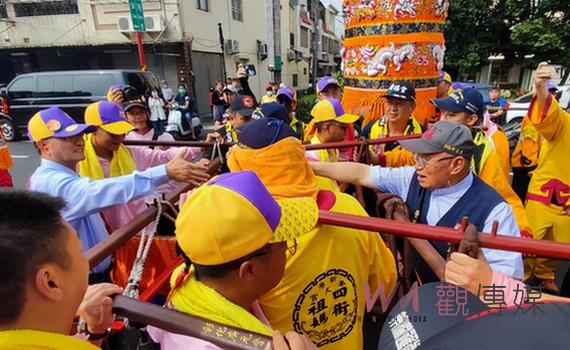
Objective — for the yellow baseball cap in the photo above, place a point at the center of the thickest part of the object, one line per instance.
(54, 122)
(331, 110)
(234, 215)
(108, 116)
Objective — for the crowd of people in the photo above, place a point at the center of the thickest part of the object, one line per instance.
(255, 255)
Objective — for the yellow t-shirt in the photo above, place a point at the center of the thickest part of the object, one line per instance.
(27, 339)
(551, 179)
(322, 294)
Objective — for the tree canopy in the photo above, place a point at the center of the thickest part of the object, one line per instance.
(477, 29)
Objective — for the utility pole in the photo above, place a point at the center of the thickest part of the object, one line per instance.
(277, 40)
(221, 34)
(315, 60)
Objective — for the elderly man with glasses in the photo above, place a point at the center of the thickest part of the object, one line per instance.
(440, 190)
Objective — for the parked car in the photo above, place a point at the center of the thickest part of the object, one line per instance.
(72, 91)
(482, 88)
(519, 106)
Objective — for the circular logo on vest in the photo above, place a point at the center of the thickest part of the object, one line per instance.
(327, 309)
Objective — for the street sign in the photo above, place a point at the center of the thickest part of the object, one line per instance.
(137, 15)
(277, 63)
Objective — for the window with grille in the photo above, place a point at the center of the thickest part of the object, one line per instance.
(295, 80)
(3, 12)
(202, 5)
(237, 10)
(47, 8)
(304, 37)
(291, 39)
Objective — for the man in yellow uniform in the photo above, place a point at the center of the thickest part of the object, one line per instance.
(329, 124)
(467, 107)
(399, 120)
(322, 294)
(548, 198)
(525, 155)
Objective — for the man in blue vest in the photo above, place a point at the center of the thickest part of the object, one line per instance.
(440, 190)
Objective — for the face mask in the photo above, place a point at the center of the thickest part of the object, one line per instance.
(182, 91)
(269, 93)
(154, 94)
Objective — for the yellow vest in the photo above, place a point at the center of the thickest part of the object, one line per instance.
(483, 149)
(231, 133)
(297, 126)
(27, 339)
(380, 129)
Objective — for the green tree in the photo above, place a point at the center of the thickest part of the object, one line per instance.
(545, 33)
(514, 28)
(474, 30)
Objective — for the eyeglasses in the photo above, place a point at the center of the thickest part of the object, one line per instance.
(427, 162)
(291, 248)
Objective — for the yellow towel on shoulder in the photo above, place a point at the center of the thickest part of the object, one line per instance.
(121, 164)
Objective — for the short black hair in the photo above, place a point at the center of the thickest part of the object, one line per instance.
(31, 234)
(220, 271)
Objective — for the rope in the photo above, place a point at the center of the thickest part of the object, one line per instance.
(217, 150)
(132, 288)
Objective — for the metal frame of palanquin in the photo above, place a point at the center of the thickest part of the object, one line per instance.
(170, 320)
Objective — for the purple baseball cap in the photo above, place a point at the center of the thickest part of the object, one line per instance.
(325, 81)
(208, 236)
(53, 122)
(287, 92)
(108, 116)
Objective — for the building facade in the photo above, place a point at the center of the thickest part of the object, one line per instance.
(182, 43)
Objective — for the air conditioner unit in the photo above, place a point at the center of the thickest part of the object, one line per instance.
(232, 46)
(262, 50)
(298, 56)
(125, 24)
(325, 57)
(290, 55)
(154, 23)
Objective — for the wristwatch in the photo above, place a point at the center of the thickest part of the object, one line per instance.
(83, 329)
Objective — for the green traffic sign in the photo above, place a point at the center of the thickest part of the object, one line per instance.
(277, 63)
(137, 15)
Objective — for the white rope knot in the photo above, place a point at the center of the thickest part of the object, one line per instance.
(146, 238)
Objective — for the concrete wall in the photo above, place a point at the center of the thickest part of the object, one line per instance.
(202, 28)
(95, 24)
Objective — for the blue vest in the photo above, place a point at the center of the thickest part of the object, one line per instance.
(477, 203)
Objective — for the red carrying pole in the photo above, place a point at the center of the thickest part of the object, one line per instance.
(140, 48)
(541, 248)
